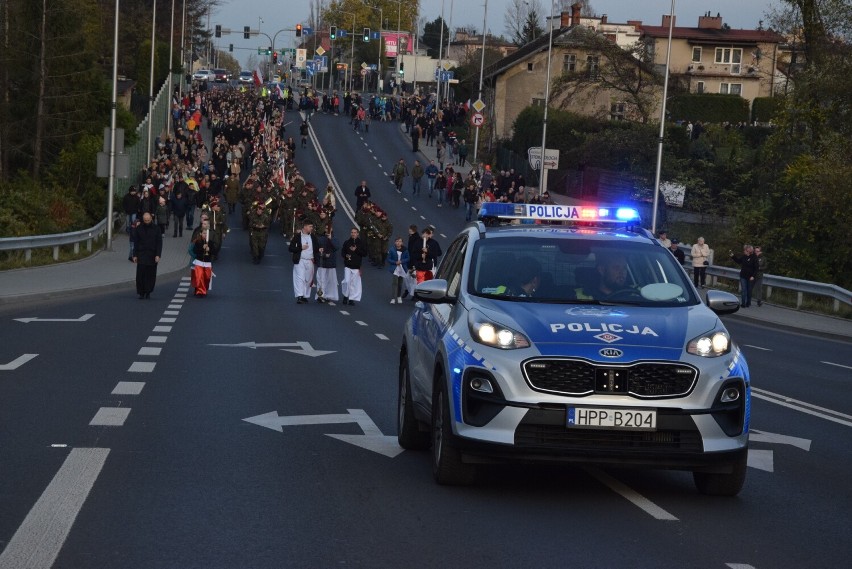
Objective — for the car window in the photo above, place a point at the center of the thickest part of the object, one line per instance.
(536, 269)
(451, 266)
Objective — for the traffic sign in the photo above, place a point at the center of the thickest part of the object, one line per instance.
(364, 71)
(478, 105)
(320, 50)
(477, 119)
(551, 161)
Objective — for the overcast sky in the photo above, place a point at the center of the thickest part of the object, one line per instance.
(235, 14)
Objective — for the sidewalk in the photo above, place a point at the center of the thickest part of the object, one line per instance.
(769, 315)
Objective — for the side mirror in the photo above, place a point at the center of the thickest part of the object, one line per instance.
(722, 302)
(433, 291)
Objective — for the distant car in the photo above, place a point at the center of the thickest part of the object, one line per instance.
(202, 75)
(220, 75)
(245, 77)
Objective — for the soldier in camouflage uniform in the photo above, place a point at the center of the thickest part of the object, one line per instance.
(259, 219)
(247, 196)
(384, 229)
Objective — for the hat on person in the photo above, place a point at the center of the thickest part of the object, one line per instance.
(675, 241)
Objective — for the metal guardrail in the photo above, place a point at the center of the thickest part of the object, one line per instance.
(55, 241)
(800, 287)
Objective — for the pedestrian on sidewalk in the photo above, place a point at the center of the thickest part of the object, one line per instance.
(762, 265)
(162, 214)
(700, 260)
(748, 269)
(148, 247)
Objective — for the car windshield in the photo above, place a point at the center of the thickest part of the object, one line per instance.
(578, 271)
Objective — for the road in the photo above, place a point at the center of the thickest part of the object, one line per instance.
(243, 430)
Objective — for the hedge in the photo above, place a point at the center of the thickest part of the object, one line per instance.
(709, 108)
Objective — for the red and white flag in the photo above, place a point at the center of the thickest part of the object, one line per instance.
(278, 91)
(258, 77)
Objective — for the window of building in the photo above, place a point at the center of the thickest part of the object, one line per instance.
(536, 102)
(731, 88)
(699, 87)
(696, 55)
(569, 64)
(728, 55)
(616, 111)
(529, 66)
(593, 65)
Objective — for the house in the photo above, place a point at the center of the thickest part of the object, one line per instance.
(579, 53)
(713, 58)
(466, 44)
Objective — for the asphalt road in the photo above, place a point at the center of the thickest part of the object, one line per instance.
(178, 477)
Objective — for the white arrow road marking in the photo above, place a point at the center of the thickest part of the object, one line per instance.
(764, 437)
(83, 318)
(303, 348)
(17, 362)
(761, 459)
(372, 439)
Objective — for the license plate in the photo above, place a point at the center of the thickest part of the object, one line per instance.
(608, 418)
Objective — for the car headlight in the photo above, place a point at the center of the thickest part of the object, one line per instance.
(710, 345)
(496, 335)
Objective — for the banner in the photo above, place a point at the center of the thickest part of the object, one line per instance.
(403, 41)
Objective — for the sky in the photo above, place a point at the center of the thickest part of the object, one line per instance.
(274, 16)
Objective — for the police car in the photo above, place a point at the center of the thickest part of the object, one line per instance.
(563, 333)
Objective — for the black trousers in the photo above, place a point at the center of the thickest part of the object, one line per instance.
(146, 278)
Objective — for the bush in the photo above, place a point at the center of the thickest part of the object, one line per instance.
(710, 108)
(765, 109)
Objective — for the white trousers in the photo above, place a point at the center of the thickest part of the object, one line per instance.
(351, 286)
(327, 281)
(303, 275)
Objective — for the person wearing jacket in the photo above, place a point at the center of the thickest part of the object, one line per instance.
(179, 207)
(700, 259)
(327, 268)
(748, 270)
(397, 259)
(353, 252)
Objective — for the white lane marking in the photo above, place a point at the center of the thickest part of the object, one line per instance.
(162, 329)
(382, 337)
(740, 566)
(157, 339)
(413, 208)
(174, 306)
(345, 313)
(37, 542)
(405, 199)
(180, 295)
(167, 320)
(632, 495)
(834, 364)
(810, 409)
(142, 367)
(444, 236)
(128, 388)
(779, 439)
(179, 300)
(145, 351)
(376, 158)
(17, 362)
(110, 417)
(183, 289)
(379, 165)
(171, 313)
(423, 218)
(360, 323)
(761, 459)
(758, 348)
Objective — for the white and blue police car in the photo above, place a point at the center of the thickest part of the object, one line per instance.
(567, 333)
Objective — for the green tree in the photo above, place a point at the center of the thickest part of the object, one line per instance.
(432, 36)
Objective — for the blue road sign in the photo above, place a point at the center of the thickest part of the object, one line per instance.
(341, 33)
(375, 35)
(306, 31)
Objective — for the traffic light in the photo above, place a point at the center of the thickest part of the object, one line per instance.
(401, 68)
(230, 47)
(298, 30)
(333, 33)
(218, 32)
(366, 34)
(246, 32)
(275, 57)
(268, 51)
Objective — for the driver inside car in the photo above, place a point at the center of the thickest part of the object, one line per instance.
(612, 278)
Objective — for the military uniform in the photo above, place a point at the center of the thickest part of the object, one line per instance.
(259, 220)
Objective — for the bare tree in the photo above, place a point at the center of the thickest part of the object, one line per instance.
(523, 21)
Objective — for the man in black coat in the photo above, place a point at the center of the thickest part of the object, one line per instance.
(353, 251)
(179, 207)
(148, 240)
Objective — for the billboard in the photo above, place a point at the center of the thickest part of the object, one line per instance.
(396, 43)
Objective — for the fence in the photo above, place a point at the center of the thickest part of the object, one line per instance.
(27, 244)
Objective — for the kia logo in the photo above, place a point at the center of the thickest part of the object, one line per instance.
(611, 353)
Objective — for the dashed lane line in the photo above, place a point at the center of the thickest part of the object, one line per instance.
(128, 388)
(146, 351)
(110, 417)
(834, 364)
(142, 367)
(758, 348)
(157, 339)
(803, 407)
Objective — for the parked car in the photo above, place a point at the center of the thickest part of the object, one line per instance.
(202, 75)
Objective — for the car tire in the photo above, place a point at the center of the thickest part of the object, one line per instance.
(728, 484)
(447, 465)
(410, 436)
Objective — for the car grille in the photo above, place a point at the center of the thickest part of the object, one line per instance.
(557, 437)
(578, 378)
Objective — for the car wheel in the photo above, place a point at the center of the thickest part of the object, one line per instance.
(410, 436)
(447, 465)
(728, 484)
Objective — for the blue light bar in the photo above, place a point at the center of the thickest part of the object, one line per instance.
(569, 213)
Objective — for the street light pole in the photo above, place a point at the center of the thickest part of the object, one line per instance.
(440, 61)
(112, 121)
(481, 73)
(543, 182)
(662, 125)
(151, 83)
(183, 67)
(171, 54)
